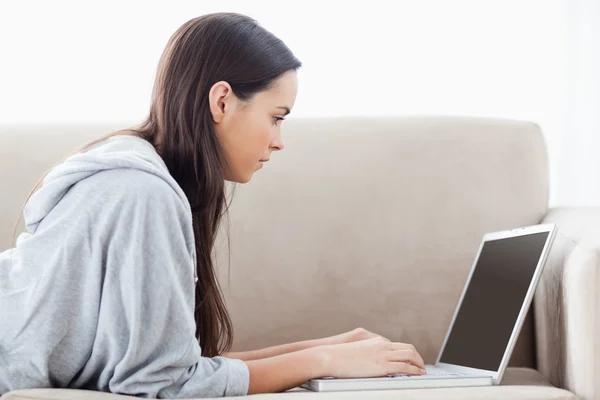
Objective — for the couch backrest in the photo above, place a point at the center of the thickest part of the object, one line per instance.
(359, 222)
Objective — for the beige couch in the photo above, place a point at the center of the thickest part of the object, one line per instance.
(374, 223)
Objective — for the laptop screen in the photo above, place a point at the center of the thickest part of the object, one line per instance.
(493, 300)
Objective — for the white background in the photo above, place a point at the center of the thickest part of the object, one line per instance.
(94, 62)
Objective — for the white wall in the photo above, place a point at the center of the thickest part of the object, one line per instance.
(78, 61)
(579, 155)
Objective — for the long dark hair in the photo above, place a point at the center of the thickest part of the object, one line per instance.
(205, 50)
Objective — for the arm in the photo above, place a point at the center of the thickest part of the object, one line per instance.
(347, 337)
(273, 351)
(566, 303)
(287, 371)
(366, 358)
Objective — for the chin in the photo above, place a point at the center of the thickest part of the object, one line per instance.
(239, 179)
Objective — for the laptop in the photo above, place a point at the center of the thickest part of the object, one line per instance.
(486, 322)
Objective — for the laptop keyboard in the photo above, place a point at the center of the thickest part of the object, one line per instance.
(432, 371)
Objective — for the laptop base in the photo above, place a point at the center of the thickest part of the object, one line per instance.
(395, 383)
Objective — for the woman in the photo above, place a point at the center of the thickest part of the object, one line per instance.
(113, 288)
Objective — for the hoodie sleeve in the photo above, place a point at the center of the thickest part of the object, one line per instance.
(145, 344)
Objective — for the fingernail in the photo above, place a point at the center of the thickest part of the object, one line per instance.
(423, 371)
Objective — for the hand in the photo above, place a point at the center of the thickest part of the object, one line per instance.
(349, 337)
(369, 358)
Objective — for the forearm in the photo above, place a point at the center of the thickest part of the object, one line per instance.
(273, 351)
(287, 371)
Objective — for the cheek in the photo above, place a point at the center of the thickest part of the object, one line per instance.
(252, 139)
(261, 136)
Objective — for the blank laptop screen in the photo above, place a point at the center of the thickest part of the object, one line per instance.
(493, 300)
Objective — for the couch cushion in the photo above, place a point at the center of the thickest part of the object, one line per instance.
(518, 384)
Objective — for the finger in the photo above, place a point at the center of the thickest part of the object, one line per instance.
(411, 349)
(378, 339)
(405, 368)
(420, 361)
(401, 346)
(407, 355)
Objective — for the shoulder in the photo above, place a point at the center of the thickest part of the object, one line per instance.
(142, 208)
(129, 185)
(133, 197)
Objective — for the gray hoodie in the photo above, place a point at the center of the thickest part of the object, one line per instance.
(99, 293)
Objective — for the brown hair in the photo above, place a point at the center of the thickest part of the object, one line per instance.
(215, 47)
(205, 50)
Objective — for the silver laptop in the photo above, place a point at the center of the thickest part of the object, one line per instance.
(487, 320)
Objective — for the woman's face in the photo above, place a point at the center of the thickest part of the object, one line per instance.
(249, 131)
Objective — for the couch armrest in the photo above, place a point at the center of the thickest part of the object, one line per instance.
(567, 303)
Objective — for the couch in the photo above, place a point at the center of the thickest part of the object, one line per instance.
(374, 223)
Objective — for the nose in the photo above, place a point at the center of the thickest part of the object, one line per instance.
(278, 144)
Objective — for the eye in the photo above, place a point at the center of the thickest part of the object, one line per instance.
(277, 119)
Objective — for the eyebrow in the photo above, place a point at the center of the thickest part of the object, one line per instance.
(287, 109)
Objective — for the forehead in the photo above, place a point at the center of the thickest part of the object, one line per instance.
(283, 91)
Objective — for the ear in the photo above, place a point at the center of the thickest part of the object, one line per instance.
(221, 101)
